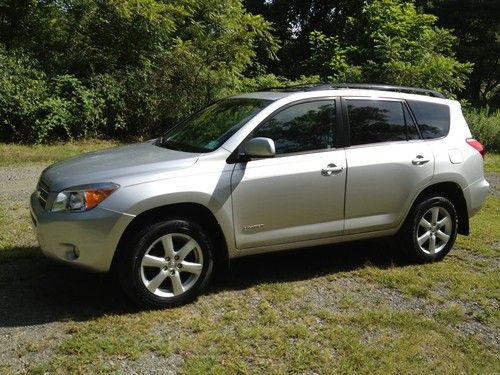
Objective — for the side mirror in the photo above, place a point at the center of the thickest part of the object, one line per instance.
(260, 148)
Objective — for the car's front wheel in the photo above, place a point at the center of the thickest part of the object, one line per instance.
(430, 229)
(167, 264)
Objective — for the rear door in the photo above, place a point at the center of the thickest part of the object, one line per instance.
(388, 163)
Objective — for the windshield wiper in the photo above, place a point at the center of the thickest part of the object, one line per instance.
(177, 146)
(168, 144)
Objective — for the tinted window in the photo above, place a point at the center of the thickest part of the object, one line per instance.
(373, 121)
(433, 119)
(209, 128)
(302, 127)
(411, 127)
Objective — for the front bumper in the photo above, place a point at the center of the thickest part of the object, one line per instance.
(85, 239)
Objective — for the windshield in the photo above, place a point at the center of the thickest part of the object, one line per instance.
(208, 129)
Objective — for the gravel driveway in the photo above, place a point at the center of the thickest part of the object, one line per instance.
(41, 301)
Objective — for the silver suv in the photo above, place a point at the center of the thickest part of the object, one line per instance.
(260, 172)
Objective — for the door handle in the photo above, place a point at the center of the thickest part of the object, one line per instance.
(331, 169)
(419, 160)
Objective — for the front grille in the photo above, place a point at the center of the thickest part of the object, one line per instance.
(43, 193)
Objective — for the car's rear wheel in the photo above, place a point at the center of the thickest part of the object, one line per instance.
(430, 229)
(167, 264)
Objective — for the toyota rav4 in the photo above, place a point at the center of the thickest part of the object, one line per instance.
(260, 172)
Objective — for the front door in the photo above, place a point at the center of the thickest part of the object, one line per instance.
(299, 194)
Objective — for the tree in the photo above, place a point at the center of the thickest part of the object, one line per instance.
(390, 42)
(476, 25)
(294, 21)
(128, 67)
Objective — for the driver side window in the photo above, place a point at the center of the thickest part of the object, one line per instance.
(302, 127)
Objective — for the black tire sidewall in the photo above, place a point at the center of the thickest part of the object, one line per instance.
(415, 252)
(130, 263)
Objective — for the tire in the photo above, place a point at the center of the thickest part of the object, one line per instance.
(430, 229)
(167, 264)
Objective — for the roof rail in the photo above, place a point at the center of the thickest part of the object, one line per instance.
(363, 86)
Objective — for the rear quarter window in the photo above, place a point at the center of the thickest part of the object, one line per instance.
(433, 119)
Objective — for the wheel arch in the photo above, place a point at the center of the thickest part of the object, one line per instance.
(453, 192)
(194, 211)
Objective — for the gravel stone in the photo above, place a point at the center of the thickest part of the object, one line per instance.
(19, 182)
(22, 347)
(494, 179)
(151, 363)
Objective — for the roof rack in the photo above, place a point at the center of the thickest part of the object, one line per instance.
(363, 86)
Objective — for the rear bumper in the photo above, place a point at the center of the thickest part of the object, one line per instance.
(475, 194)
(87, 239)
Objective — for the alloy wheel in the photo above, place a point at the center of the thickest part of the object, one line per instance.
(171, 265)
(434, 230)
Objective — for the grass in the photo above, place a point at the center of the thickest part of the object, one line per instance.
(492, 162)
(14, 154)
(233, 334)
(352, 309)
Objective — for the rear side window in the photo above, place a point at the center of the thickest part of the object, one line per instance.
(433, 119)
(374, 121)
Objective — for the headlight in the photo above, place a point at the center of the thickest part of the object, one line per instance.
(83, 198)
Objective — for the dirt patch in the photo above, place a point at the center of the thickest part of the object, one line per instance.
(150, 363)
(351, 294)
(494, 179)
(19, 182)
(21, 347)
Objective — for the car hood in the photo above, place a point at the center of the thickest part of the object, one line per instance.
(122, 165)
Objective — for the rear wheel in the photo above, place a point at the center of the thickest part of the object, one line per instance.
(167, 264)
(430, 229)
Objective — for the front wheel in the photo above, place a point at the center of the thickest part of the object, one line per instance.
(430, 229)
(167, 264)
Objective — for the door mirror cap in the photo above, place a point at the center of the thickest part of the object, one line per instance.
(260, 147)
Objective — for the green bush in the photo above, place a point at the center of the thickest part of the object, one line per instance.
(121, 69)
(53, 120)
(111, 93)
(390, 42)
(485, 127)
(22, 88)
(129, 69)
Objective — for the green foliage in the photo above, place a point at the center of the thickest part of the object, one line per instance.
(485, 127)
(131, 68)
(264, 81)
(111, 92)
(477, 28)
(35, 108)
(22, 88)
(390, 42)
(331, 60)
(294, 21)
(54, 117)
(128, 68)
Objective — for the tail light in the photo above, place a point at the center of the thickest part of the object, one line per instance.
(477, 145)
